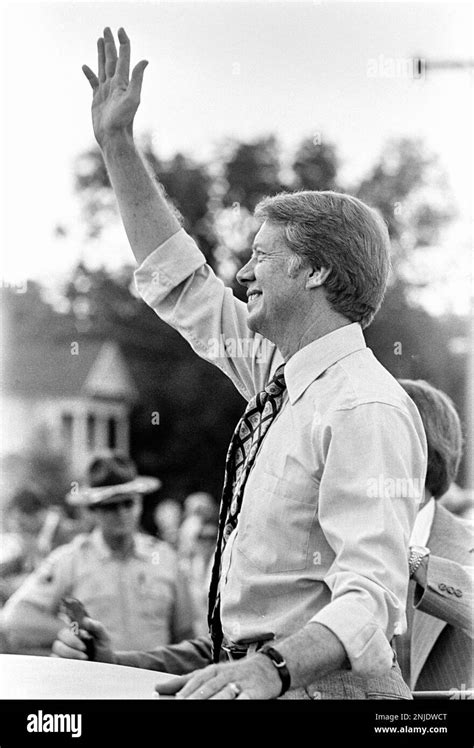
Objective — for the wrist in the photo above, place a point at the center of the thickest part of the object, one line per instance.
(278, 663)
(418, 556)
(421, 574)
(270, 673)
(115, 141)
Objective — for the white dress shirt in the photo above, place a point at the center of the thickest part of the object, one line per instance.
(331, 500)
(422, 528)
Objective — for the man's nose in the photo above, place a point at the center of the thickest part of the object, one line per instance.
(246, 274)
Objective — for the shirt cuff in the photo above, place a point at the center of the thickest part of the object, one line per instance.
(130, 659)
(367, 648)
(168, 266)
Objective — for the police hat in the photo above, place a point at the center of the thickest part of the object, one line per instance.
(110, 477)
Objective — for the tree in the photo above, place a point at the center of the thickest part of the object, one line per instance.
(316, 165)
(252, 171)
(409, 189)
(186, 184)
(217, 201)
(25, 309)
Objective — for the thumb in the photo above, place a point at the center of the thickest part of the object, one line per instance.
(136, 79)
(96, 629)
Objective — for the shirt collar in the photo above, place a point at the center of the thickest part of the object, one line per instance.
(310, 362)
(104, 551)
(422, 528)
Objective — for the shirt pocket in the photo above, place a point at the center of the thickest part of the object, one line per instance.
(99, 599)
(154, 598)
(276, 526)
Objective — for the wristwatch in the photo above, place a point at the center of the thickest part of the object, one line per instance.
(417, 554)
(278, 661)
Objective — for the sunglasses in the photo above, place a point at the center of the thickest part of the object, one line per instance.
(114, 506)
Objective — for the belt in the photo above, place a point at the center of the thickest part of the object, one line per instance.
(238, 651)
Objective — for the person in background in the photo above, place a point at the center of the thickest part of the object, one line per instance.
(200, 504)
(129, 580)
(167, 517)
(459, 501)
(197, 542)
(33, 529)
(435, 653)
(200, 574)
(199, 510)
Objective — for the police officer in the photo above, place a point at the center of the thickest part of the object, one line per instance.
(130, 581)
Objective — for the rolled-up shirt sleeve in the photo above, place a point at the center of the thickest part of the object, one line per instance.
(167, 267)
(183, 290)
(369, 492)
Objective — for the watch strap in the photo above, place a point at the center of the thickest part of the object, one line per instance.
(279, 663)
(417, 555)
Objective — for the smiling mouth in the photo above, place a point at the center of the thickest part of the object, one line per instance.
(252, 296)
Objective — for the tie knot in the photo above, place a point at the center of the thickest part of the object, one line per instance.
(277, 384)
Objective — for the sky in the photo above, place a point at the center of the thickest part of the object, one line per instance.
(219, 69)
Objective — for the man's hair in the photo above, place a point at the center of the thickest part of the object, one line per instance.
(443, 433)
(339, 232)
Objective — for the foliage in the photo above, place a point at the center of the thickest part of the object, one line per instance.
(198, 407)
(38, 467)
(408, 188)
(316, 165)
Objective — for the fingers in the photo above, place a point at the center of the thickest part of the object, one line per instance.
(62, 650)
(70, 639)
(137, 79)
(97, 630)
(227, 693)
(211, 689)
(110, 53)
(69, 645)
(173, 685)
(123, 65)
(203, 684)
(101, 59)
(109, 64)
(91, 77)
(209, 683)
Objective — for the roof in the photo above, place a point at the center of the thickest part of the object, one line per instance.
(66, 369)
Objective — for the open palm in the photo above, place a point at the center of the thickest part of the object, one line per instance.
(116, 94)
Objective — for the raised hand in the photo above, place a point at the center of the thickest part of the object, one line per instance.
(116, 94)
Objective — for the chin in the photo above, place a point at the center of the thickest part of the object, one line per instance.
(253, 323)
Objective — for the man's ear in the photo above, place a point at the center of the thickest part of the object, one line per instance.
(317, 277)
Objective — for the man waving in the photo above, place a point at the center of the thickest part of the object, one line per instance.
(326, 466)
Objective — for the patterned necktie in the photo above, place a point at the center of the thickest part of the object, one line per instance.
(244, 445)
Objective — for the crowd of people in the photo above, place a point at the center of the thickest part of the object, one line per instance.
(148, 590)
(435, 650)
(151, 591)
